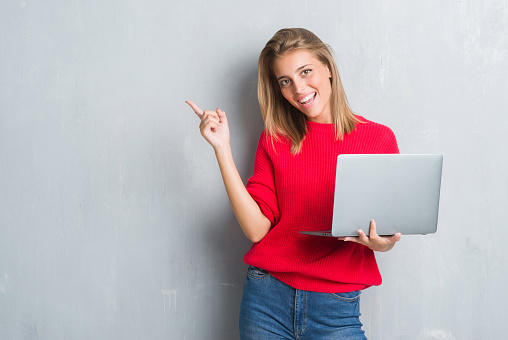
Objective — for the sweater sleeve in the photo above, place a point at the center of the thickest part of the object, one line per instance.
(389, 142)
(261, 186)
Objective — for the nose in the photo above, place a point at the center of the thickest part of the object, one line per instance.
(299, 85)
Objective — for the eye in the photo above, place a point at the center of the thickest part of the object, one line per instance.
(306, 72)
(283, 82)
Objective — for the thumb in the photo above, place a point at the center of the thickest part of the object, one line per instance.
(222, 116)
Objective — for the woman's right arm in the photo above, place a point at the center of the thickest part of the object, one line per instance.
(214, 128)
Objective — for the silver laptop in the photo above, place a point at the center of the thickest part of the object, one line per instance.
(399, 192)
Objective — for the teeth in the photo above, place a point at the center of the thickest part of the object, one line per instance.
(308, 98)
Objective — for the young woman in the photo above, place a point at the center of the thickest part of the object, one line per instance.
(299, 286)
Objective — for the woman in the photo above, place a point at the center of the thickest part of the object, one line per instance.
(299, 286)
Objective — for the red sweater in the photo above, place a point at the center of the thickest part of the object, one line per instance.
(296, 193)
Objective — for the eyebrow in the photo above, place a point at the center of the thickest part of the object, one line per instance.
(298, 69)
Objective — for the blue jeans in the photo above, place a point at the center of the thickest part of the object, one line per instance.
(271, 309)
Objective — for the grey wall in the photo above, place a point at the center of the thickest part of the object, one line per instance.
(114, 221)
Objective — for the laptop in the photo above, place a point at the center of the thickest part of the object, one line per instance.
(399, 192)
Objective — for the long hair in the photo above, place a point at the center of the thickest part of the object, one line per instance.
(282, 118)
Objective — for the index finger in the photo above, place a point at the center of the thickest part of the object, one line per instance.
(196, 108)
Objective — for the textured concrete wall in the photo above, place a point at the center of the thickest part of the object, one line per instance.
(113, 217)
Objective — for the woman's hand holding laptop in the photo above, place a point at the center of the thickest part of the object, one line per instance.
(373, 241)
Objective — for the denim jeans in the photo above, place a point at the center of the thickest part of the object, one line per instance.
(271, 309)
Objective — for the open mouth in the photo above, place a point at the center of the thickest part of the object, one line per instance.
(308, 99)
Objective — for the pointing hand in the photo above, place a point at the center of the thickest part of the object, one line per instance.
(214, 126)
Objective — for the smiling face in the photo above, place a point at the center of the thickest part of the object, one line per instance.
(305, 83)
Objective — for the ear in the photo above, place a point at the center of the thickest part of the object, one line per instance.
(329, 72)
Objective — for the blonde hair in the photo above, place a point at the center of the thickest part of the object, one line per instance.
(282, 118)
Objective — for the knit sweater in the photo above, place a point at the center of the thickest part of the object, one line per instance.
(295, 192)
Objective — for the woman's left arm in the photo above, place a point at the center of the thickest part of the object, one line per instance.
(374, 241)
